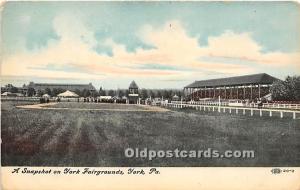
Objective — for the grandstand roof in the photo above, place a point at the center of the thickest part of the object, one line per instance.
(63, 86)
(133, 85)
(261, 78)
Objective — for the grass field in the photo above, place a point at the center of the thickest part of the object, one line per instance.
(36, 137)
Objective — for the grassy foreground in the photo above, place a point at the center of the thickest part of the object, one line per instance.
(35, 137)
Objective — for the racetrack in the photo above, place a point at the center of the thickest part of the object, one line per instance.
(93, 107)
(74, 137)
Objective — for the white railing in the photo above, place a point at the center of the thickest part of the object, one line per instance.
(232, 109)
(280, 106)
(253, 105)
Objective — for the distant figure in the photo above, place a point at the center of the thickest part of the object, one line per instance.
(42, 100)
(259, 104)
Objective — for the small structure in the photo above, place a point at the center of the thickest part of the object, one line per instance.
(133, 96)
(68, 94)
(10, 94)
(6, 94)
(175, 98)
(101, 98)
(46, 96)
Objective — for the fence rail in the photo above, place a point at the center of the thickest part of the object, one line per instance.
(252, 105)
(231, 110)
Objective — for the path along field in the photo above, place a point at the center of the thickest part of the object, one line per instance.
(86, 134)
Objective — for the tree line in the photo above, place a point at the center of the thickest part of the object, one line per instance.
(144, 93)
(282, 90)
(286, 90)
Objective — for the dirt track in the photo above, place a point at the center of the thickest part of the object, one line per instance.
(144, 108)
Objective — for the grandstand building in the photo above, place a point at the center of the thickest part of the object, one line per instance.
(247, 87)
(71, 87)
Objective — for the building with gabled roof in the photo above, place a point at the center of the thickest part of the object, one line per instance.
(63, 87)
(239, 87)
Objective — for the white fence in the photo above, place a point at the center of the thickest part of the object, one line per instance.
(253, 105)
(233, 110)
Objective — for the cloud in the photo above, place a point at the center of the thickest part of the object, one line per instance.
(243, 47)
(172, 48)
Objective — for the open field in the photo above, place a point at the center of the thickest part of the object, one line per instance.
(37, 137)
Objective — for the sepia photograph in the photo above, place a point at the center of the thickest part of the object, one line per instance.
(150, 84)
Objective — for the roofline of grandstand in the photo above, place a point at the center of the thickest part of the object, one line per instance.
(261, 78)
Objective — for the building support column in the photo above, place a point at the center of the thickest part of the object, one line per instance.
(259, 91)
(251, 96)
(214, 92)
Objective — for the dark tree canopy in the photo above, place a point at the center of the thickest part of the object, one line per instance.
(287, 90)
(30, 91)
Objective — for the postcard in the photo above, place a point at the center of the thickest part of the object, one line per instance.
(150, 95)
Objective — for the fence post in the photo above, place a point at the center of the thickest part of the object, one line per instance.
(294, 115)
(236, 111)
(281, 114)
(260, 113)
(224, 110)
(229, 110)
(244, 111)
(251, 112)
(270, 113)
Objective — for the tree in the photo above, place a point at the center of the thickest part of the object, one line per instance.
(102, 92)
(95, 94)
(166, 94)
(86, 93)
(126, 93)
(48, 91)
(39, 93)
(179, 93)
(78, 92)
(56, 91)
(14, 89)
(121, 93)
(151, 94)
(287, 90)
(111, 93)
(144, 94)
(158, 94)
(30, 91)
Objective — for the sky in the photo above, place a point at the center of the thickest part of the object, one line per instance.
(157, 44)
